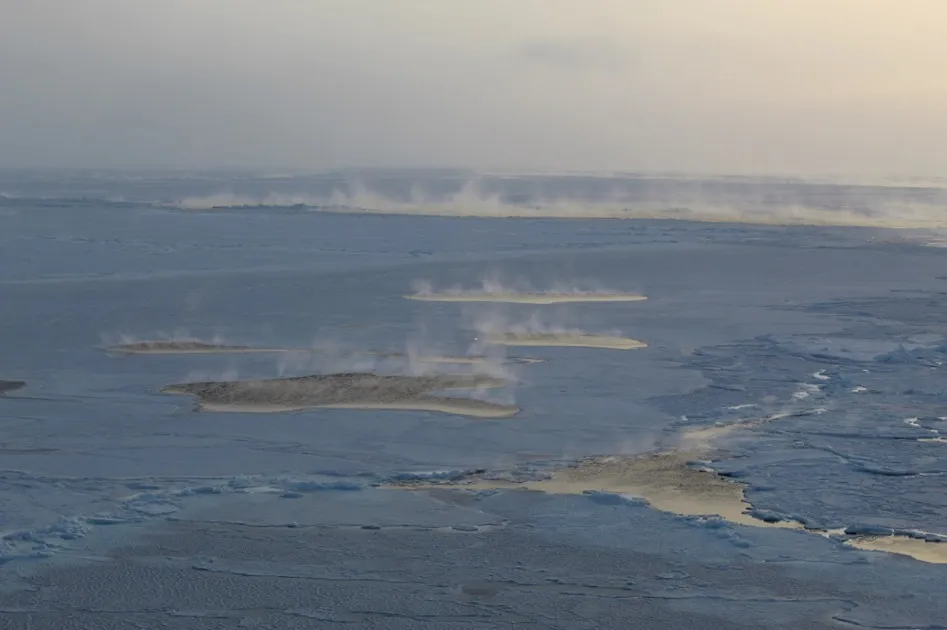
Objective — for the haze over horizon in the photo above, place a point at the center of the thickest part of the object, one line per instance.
(706, 86)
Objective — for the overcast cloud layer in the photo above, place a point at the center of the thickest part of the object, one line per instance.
(745, 86)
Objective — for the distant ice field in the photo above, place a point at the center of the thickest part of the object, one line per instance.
(802, 364)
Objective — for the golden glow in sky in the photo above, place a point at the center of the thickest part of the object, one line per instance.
(802, 86)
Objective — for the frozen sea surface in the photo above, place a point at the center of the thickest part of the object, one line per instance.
(122, 507)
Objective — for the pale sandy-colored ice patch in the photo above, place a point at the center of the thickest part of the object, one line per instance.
(564, 339)
(665, 480)
(353, 390)
(457, 406)
(526, 298)
(932, 552)
(670, 482)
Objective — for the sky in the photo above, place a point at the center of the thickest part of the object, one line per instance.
(797, 87)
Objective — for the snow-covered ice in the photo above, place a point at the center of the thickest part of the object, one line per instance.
(807, 397)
